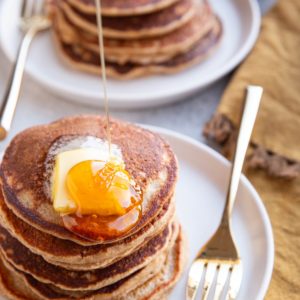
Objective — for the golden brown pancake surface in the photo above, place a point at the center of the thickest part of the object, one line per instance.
(24, 260)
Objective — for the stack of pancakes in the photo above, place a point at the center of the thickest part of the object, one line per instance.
(40, 259)
(141, 37)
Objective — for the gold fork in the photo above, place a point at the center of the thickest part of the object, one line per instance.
(219, 257)
(32, 20)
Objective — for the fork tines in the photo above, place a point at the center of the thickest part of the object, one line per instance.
(225, 275)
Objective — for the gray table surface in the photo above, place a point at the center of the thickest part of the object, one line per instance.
(37, 106)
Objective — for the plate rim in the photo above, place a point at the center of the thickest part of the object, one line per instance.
(161, 97)
(248, 185)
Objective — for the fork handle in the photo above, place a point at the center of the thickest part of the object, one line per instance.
(251, 106)
(12, 93)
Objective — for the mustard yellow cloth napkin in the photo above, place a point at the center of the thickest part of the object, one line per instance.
(274, 64)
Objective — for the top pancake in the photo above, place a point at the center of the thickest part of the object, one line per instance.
(148, 159)
(121, 8)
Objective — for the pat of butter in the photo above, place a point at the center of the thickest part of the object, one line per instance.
(64, 162)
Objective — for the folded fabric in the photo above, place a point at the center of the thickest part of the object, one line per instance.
(274, 64)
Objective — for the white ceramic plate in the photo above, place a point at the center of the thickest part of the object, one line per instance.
(241, 19)
(200, 197)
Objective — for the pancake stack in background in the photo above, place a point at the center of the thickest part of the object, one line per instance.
(40, 259)
(141, 37)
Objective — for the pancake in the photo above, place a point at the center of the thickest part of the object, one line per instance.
(85, 60)
(113, 291)
(143, 51)
(148, 158)
(17, 285)
(24, 260)
(132, 27)
(72, 256)
(121, 8)
(107, 293)
(138, 59)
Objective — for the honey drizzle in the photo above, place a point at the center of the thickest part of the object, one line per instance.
(95, 227)
(103, 71)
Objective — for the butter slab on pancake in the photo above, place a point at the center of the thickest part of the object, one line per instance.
(121, 8)
(133, 27)
(72, 256)
(141, 51)
(24, 260)
(85, 60)
(148, 159)
(17, 285)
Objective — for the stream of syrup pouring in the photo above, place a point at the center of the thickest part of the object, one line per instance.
(114, 200)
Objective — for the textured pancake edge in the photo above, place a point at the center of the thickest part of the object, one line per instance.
(137, 72)
(169, 240)
(128, 34)
(76, 267)
(162, 290)
(127, 284)
(145, 9)
(161, 196)
(143, 55)
(158, 292)
(88, 262)
(17, 210)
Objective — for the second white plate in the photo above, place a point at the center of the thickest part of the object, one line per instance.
(241, 20)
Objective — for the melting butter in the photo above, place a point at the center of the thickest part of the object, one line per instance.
(70, 143)
(65, 161)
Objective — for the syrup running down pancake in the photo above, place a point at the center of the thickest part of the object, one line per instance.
(96, 198)
(72, 256)
(86, 60)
